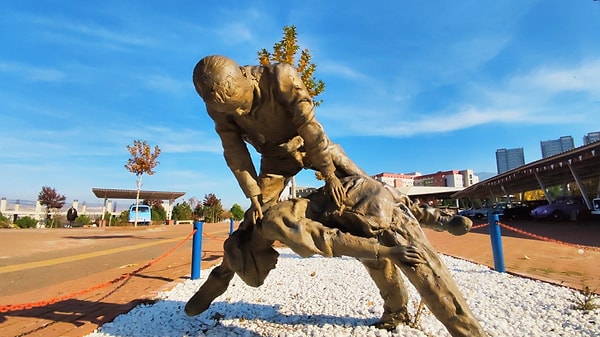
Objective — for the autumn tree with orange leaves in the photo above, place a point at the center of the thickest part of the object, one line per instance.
(285, 51)
(142, 160)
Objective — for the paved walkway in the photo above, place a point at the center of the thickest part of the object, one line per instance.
(555, 262)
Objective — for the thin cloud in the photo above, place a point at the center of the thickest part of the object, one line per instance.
(32, 73)
(165, 84)
(526, 99)
(340, 70)
(235, 33)
(584, 77)
(91, 32)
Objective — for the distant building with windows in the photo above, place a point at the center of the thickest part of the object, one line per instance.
(302, 192)
(508, 159)
(396, 179)
(591, 137)
(453, 178)
(556, 146)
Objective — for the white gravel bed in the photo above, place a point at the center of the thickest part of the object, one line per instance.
(321, 296)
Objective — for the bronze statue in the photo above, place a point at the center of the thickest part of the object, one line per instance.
(269, 108)
(374, 225)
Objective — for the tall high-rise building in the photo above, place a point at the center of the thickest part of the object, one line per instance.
(556, 146)
(508, 159)
(591, 137)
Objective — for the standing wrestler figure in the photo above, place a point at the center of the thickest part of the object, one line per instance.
(269, 108)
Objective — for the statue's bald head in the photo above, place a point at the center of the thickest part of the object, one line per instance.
(220, 82)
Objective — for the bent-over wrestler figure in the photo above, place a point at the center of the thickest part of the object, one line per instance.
(375, 225)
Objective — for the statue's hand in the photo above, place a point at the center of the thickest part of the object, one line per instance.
(335, 189)
(409, 255)
(256, 209)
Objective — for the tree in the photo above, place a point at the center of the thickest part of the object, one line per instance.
(142, 161)
(212, 208)
(237, 212)
(285, 51)
(52, 200)
(182, 211)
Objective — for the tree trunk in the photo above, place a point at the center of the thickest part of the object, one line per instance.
(137, 199)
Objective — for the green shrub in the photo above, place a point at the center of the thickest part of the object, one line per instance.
(26, 222)
(183, 211)
(159, 214)
(4, 221)
(237, 212)
(123, 218)
(83, 220)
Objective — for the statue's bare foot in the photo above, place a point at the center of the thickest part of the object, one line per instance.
(389, 321)
(457, 224)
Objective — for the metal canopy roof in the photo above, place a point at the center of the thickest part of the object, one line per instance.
(108, 193)
(582, 162)
(430, 191)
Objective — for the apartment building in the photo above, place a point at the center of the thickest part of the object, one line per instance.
(453, 178)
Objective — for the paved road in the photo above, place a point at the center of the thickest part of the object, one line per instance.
(31, 259)
(41, 265)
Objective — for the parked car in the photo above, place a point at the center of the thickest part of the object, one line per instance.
(560, 209)
(596, 203)
(522, 210)
(480, 213)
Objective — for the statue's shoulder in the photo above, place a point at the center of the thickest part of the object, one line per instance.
(275, 71)
(282, 70)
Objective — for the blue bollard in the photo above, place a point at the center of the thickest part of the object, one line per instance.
(231, 222)
(496, 237)
(197, 250)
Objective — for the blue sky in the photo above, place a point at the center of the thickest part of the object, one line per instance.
(410, 85)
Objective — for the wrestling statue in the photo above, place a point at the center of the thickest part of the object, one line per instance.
(269, 108)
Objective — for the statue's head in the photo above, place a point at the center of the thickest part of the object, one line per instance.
(220, 81)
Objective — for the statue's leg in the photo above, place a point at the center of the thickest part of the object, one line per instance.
(392, 289)
(215, 285)
(271, 186)
(274, 175)
(433, 218)
(435, 284)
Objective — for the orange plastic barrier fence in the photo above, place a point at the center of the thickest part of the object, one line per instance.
(543, 238)
(540, 237)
